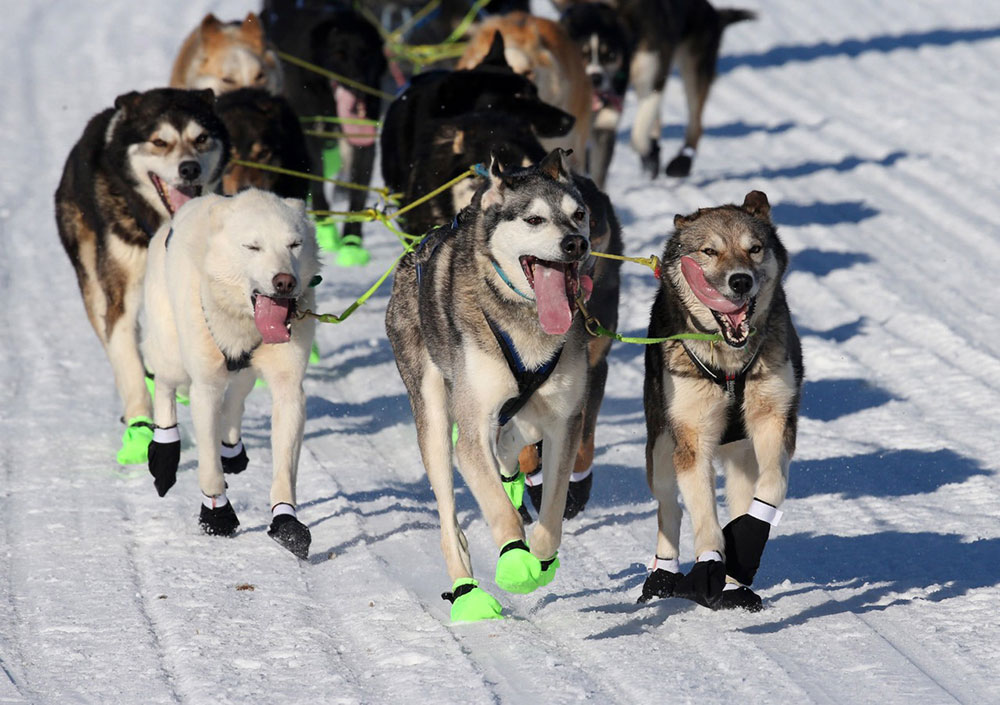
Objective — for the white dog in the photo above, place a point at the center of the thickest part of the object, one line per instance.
(221, 292)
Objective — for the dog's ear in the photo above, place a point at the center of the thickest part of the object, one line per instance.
(682, 221)
(207, 95)
(756, 205)
(495, 56)
(220, 206)
(128, 101)
(554, 165)
(209, 25)
(493, 196)
(298, 205)
(252, 32)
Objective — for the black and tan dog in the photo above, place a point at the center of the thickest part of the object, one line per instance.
(658, 34)
(735, 399)
(263, 128)
(135, 165)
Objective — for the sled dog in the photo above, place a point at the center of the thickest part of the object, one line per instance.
(134, 166)
(541, 50)
(221, 294)
(263, 128)
(735, 399)
(659, 32)
(482, 323)
(224, 56)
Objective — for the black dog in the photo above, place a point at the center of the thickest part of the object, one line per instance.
(656, 32)
(490, 100)
(263, 128)
(334, 37)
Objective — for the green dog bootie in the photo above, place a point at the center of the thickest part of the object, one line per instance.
(517, 570)
(352, 253)
(331, 160)
(470, 603)
(328, 235)
(514, 487)
(135, 441)
(549, 569)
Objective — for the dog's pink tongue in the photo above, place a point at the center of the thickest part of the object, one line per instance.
(554, 313)
(177, 198)
(705, 292)
(270, 316)
(348, 105)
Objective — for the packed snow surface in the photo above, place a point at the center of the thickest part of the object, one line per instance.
(872, 127)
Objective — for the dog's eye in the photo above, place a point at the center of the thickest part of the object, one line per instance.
(295, 245)
(159, 143)
(579, 215)
(756, 249)
(260, 78)
(534, 220)
(709, 251)
(201, 139)
(229, 81)
(253, 248)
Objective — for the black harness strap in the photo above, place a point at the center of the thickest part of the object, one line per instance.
(734, 386)
(528, 380)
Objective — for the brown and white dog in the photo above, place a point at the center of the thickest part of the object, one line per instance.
(735, 398)
(225, 56)
(542, 51)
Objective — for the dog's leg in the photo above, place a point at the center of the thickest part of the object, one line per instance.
(773, 437)
(662, 480)
(740, 465)
(217, 515)
(123, 347)
(233, 453)
(696, 59)
(648, 78)
(559, 449)
(430, 413)
(165, 448)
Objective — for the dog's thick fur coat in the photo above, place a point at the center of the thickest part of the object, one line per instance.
(209, 276)
(731, 258)
(134, 164)
(446, 298)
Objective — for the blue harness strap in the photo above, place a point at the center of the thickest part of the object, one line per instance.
(528, 380)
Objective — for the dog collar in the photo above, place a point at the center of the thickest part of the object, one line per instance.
(509, 283)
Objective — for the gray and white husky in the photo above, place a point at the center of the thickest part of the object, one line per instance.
(482, 320)
(736, 399)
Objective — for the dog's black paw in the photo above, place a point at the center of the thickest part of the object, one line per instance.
(659, 583)
(745, 538)
(526, 517)
(292, 534)
(740, 598)
(651, 161)
(163, 461)
(703, 584)
(236, 463)
(679, 166)
(220, 521)
(534, 491)
(577, 496)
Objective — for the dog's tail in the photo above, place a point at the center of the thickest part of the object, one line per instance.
(730, 16)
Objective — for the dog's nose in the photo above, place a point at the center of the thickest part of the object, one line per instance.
(284, 283)
(741, 283)
(575, 246)
(597, 79)
(189, 170)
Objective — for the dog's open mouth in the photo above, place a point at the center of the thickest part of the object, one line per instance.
(733, 317)
(351, 107)
(556, 286)
(735, 326)
(273, 317)
(174, 197)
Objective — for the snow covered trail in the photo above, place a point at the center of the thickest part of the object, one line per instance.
(871, 127)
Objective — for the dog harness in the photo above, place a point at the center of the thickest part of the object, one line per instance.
(528, 380)
(733, 385)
